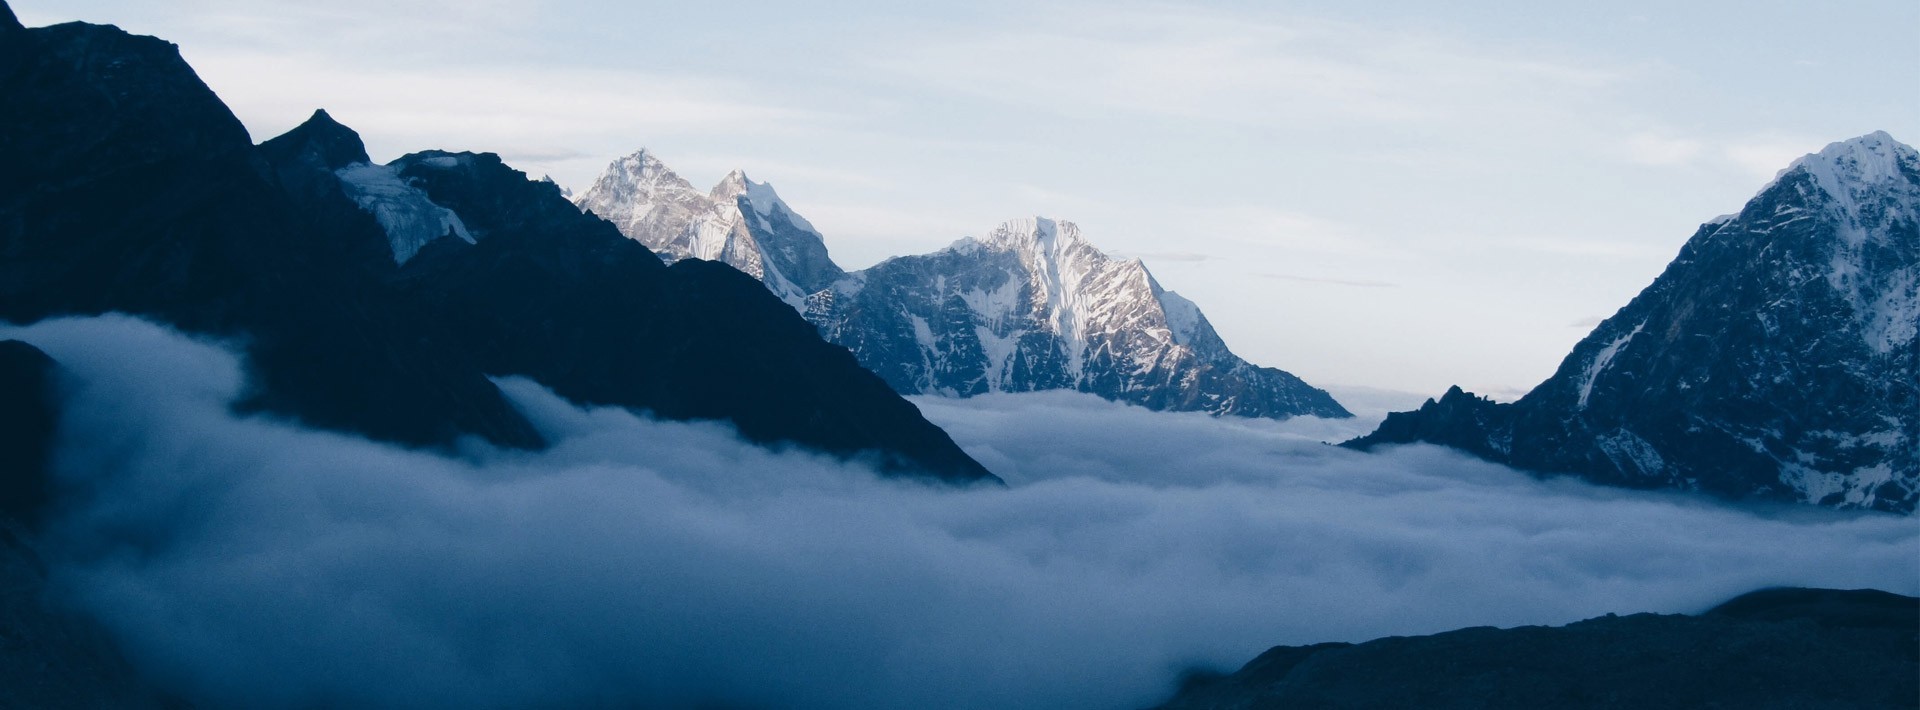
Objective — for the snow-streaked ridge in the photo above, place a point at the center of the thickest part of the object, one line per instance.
(1600, 362)
(1033, 305)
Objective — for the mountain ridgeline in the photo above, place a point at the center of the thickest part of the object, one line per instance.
(1774, 359)
(1032, 306)
(380, 299)
(1773, 648)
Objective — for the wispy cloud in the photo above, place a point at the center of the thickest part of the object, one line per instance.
(1657, 149)
(1764, 157)
(1212, 65)
(1289, 231)
(1576, 247)
(1759, 157)
(1174, 256)
(1337, 282)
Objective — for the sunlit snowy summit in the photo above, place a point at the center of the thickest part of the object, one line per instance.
(1031, 306)
(1775, 358)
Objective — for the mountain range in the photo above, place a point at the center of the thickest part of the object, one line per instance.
(1031, 306)
(1774, 359)
(380, 299)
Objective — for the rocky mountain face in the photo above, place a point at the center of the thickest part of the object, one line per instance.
(1034, 306)
(1774, 359)
(740, 223)
(1771, 648)
(380, 299)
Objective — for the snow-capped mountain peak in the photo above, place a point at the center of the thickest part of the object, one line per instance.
(644, 170)
(1870, 182)
(760, 198)
(1846, 167)
(1868, 188)
(1033, 305)
(1775, 357)
(730, 187)
(640, 195)
(740, 222)
(1036, 232)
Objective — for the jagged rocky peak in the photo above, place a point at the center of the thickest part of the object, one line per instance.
(733, 186)
(1854, 171)
(739, 222)
(647, 201)
(1774, 358)
(1869, 187)
(1034, 305)
(1035, 231)
(761, 199)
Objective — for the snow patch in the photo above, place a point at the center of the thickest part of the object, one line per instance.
(1183, 317)
(999, 351)
(1630, 453)
(1600, 362)
(409, 218)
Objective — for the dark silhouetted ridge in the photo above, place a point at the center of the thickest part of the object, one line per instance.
(1777, 648)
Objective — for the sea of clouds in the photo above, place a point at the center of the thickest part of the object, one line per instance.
(246, 561)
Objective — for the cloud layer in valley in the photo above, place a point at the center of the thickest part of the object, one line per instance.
(247, 561)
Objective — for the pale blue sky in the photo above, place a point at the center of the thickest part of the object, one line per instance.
(1396, 194)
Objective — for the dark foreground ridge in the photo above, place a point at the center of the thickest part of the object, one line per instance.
(28, 414)
(49, 657)
(126, 185)
(1774, 648)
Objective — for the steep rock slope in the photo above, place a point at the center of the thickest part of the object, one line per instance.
(1775, 358)
(126, 185)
